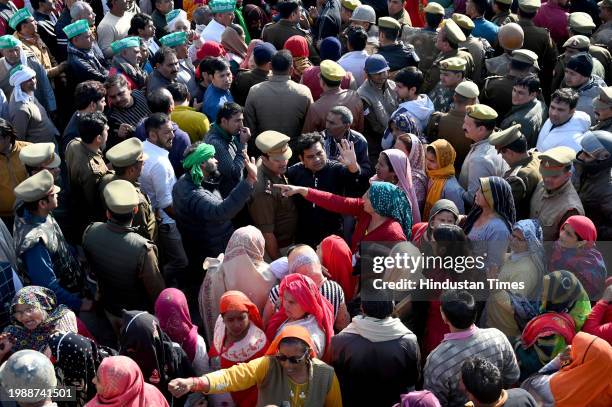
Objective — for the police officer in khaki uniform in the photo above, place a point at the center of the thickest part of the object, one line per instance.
(452, 72)
(555, 199)
(40, 156)
(424, 39)
(127, 159)
(272, 213)
(502, 16)
(397, 54)
(537, 39)
(478, 47)
(510, 38)
(124, 262)
(582, 24)
(447, 42)
(602, 106)
(524, 173)
(346, 12)
(574, 45)
(497, 90)
(449, 126)
(482, 160)
(86, 168)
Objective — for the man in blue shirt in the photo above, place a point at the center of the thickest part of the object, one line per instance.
(218, 93)
(44, 257)
(482, 28)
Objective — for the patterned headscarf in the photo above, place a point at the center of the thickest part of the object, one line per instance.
(405, 123)
(498, 195)
(43, 299)
(390, 201)
(532, 232)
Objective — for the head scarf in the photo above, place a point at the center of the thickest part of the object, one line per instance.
(231, 41)
(43, 299)
(330, 48)
(583, 382)
(142, 339)
(546, 332)
(338, 260)
(298, 46)
(532, 232)
(563, 292)
(307, 294)
(445, 157)
(305, 256)
(172, 311)
(422, 398)
(211, 49)
(584, 228)
(244, 268)
(390, 201)
(194, 160)
(419, 230)
(19, 76)
(253, 13)
(498, 195)
(280, 267)
(402, 169)
(121, 384)
(292, 331)
(181, 15)
(404, 123)
(76, 360)
(237, 301)
(248, 62)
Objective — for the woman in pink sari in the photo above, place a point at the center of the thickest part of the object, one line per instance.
(394, 166)
(172, 311)
(119, 383)
(302, 304)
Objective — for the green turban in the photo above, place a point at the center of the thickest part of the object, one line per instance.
(193, 162)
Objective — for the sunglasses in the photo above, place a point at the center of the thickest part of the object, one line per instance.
(291, 359)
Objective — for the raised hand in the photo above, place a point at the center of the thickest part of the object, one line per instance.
(251, 168)
(347, 154)
(290, 190)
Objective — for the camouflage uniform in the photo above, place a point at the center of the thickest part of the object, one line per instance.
(442, 98)
(432, 76)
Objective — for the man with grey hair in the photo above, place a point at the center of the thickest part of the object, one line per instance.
(81, 10)
(330, 78)
(28, 369)
(338, 123)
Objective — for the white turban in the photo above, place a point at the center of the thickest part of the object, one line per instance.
(17, 78)
(181, 16)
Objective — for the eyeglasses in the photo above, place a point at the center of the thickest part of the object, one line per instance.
(291, 359)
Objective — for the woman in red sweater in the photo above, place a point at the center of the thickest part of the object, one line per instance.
(383, 213)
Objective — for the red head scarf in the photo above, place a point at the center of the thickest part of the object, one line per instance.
(298, 46)
(584, 227)
(120, 384)
(307, 294)
(211, 49)
(238, 301)
(172, 311)
(550, 323)
(338, 260)
(292, 331)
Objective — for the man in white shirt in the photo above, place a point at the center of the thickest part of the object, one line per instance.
(157, 179)
(114, 26)
(223, 15)
(354, 60)
(565, 125)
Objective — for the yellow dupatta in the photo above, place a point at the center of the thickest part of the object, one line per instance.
(445, 157)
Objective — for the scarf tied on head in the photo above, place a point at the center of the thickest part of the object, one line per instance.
(19, 75)
(193, 161)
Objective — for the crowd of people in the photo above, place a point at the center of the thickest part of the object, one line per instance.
(192, 193)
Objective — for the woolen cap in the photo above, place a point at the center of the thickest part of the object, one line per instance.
(332, 71)
(507, 136)
(463, 21)
(126, 153)
(467, 89)
(364, 13)
(264, 52)
(274, 144)
(376, 64)
(581, 22)
(581, 63)
(434, 8)
(481, 112)
(389, 22)
(120, 196)
(555, 161)
(36, 187)
(37, 155)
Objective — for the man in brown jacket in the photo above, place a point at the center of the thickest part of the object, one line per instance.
(279, 103)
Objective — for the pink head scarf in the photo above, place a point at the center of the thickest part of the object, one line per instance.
(246, 64)
(402, 168)
(307, 294)
(583, 226)
(120, 384)
(172, 311)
